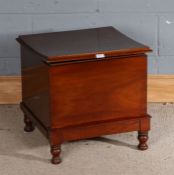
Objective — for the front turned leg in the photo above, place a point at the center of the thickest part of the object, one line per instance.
(55, 151)
(142, 137)
(29, 127)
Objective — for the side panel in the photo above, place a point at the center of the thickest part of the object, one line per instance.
(35, 85)
(98, 91)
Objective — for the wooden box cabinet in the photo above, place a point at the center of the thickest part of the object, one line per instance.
(84, 83)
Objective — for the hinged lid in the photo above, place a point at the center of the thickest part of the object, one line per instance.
(97, 43)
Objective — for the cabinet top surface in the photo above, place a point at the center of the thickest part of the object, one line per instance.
(85, 43)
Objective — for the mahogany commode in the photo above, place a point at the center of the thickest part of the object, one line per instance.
(82, 84)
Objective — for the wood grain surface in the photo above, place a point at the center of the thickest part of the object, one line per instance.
(78, 78)
(160, 89)
(105, 89)
(10, 89)
(82, 44)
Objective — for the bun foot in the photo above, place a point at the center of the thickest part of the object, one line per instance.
(55, 160)
(29, 127)
(142, 137)
(55, 151)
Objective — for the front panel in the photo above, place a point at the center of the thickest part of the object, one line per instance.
(98, 90)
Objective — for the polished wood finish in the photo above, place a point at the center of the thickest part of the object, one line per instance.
(82, 44)
(71, 93)
(78, 84)
(55, 151)
(160, 89)
(142, 137)
(29, 127)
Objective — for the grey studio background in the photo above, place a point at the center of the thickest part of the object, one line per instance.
(148, 21)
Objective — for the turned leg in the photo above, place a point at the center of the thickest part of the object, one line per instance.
(142, 137)
(55, 151)
(29, 127)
